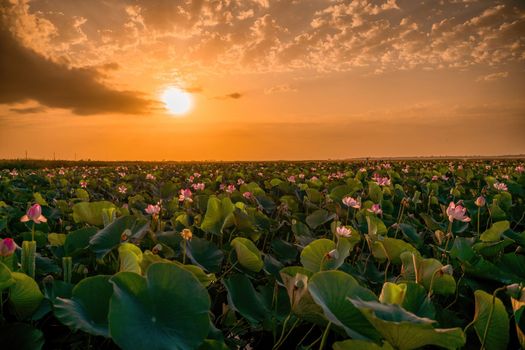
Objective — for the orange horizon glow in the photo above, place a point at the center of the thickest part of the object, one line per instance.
(261, 80)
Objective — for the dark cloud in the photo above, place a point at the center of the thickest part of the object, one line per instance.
(26, 75)
(29, 110)
(233, 95)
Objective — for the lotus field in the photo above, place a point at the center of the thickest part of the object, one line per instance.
(290, 255)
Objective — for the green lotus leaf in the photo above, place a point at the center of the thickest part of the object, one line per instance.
(493, 327)
(91, 212)
(78, 240)
(244, 299)
(216, 212)
(318, 218)
(24, 296)
(391, 249)
(110, 236)
(87, 309)
(315, 256)
(205, 254)
(330, 290)
(404, 330)
(166, 309)
(247, 254)
(495, 231)
(130, 257)
(6, 277)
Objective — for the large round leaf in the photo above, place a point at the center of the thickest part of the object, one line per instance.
(497, 327)
(130, 258)
(314, 256)
(110, 236)
(88, 307)
(166, 309)
(24, 296)
(319, 217)
(330, 290)
(243, 298)
(91, 212)
(205, 254)
(6, 278)
(404, 330)
(247, 254)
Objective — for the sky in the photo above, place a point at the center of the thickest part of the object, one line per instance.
(268, 79)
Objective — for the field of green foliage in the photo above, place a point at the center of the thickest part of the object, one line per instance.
(284, 255)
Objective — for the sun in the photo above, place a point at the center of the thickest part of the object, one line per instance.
(177, 101)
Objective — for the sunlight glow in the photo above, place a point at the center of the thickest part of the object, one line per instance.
(177, 101)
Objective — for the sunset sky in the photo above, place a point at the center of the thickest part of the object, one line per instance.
(312, 79)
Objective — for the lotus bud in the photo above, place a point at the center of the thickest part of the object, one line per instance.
(447, 270)
(439, 235)
(480, 201)
(514, 290)
(125, 235)
(7, 247)
(332, 254)
(156, 249)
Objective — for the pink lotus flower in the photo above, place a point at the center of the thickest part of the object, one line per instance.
(150, 177)
(405, 170)
(185, 195)
(457, 212)
(122, 189)
(434, 178)
(301, 176)
(314, 178)
(381, 181)
(260, 174)
(197, 175)
(291, 179)
(230, 188)
(7, 247)
(480, 201)
(61, 172)
(153, 209)
(343, 231)
(520, 169)
(13, 172)
(34, 214)
(247, 195)
(362, 170)
(500, 186)
(83, 183)
(376, 209)
(240, 182)
(351, 202)
(199, 186)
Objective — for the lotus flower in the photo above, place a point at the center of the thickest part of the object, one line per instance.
(291, 179)
(343, 231)
(153, 209)
(351, 202)
(185, 195)
(150, 177)
(7, 247)
(199, 186)
(34, 214)
(500, 186)
(230, 188)
(240, 182)
(376, 209)
(520, 169)
(247, 195)
(83, 183)
(122, 189)
(457, 212)
(381, 181)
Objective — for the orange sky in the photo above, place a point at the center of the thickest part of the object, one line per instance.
(269, 79)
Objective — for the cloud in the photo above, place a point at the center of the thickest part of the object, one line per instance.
(279, 89)
(492, 77)
(27, 75)
(233, 95)
(28, 110)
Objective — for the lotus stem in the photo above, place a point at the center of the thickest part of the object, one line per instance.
(490, 315)
(67, 268)
(325, 335)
